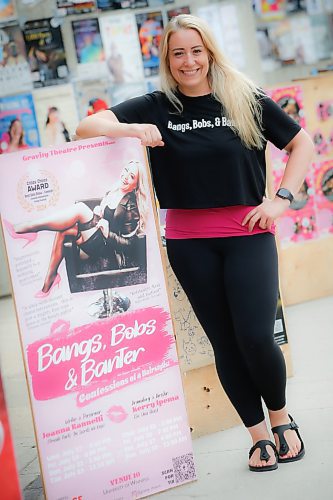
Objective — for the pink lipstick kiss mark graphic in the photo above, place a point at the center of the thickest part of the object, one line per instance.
(117, 414)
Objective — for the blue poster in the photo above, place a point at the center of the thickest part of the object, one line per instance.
(18, 124)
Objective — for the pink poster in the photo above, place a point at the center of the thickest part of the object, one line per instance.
(299, 221)
(290, 99)
(323, 173)
(92, 306)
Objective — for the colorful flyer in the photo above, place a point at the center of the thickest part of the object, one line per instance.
(85, 260)
(323, 173)
(325, 110)
(88, 42)
(150, 29)
(298, 223)
(89, 48)
(159, 3)
(122, 48)
(46, 54)
(179, 10)
(91, 92)
(7, 11)
(18, 124)
(15, 73)
(10, 487)
(77, 7)
(56, 112)
(270, 9)
(290, 99)
(113, 4)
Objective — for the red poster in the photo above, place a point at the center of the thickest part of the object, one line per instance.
(10, 489)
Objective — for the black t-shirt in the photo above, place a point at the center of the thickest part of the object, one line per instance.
(204, 163)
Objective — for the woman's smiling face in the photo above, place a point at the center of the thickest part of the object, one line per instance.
(129, 177)
(189, 62)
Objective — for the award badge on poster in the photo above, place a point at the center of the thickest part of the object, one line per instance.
(85, 261)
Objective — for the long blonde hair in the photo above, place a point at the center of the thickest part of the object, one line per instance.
(237, 94)
(141, 193)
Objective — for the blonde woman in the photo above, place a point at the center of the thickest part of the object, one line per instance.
(111, 226)
(207, 131)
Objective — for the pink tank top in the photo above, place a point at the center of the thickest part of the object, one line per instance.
(209, 223)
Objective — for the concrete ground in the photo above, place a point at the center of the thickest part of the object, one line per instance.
(221, 458)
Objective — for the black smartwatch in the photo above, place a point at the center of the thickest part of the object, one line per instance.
(285, 194)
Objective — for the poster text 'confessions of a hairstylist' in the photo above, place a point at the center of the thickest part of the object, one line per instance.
(94, 319)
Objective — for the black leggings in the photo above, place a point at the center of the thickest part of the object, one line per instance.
(232, 285)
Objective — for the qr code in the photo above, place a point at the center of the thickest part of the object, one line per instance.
(183, 467)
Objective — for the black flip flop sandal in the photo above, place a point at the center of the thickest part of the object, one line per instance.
(264, 455)
(284, 448)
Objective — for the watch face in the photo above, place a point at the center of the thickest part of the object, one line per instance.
(285, 193)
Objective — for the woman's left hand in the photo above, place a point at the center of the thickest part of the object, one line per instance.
(266, 213)
(103, 225)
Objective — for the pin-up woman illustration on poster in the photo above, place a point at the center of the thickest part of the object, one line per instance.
(110, 228)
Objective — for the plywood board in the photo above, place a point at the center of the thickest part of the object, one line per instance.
(209, 409)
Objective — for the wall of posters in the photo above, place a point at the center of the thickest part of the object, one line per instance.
(18, 125)
(10, 488)
(94, 320)
(15, 73)
(150, 29)
(122, 48)
(57, 115)
(46, 54)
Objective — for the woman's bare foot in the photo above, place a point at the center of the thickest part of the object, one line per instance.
(281, 417)
(259, 432)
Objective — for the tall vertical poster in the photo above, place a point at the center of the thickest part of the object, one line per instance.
(102, 369)
(46, 53)
(56, 112)
(18, 124)
(89, 47)
(122, 48)
(15, 73)
(150, 30)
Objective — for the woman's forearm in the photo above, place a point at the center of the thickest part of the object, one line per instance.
(106, 123)
(103, 123)
(301, 151)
